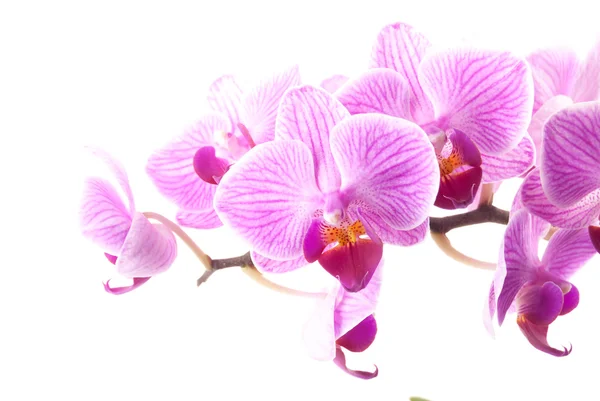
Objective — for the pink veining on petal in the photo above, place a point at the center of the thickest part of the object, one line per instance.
(334, 82)
(540, 117)
(510, 164)
(587, 84)
(201, 219)
(401, 48)
(225, 96)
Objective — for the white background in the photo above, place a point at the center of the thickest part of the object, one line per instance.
(129, 76)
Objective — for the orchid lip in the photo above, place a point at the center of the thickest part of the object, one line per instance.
(208, 166)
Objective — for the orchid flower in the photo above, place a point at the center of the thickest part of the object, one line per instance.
(538, 290)
(565, 191)
(138, 249)
(344, 320)
(331, 187)
(187, 169)
(475, 106)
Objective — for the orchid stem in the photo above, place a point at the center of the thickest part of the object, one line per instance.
(483, 214)
(265, 282)
(442, 241)
(204, 258)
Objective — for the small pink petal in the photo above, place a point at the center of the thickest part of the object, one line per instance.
(149, 249)
(359, 338)
(137, 281)
(208, 166)
(118, 171)
(587, 84)
(309, 114)
(554, 72)
(567, 252)
(510, 164)
(401, 48)
(540, 117)
(540, 304)
(334, 82)
(379, 90)
(171, 168)
(388, 164)
(485, 94)
(260, 104)
(225, 96)
(202, 219)
(340, 361)
(104, 219)
(537, 336)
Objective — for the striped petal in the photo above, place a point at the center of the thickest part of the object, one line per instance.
(388, 164)
(579, 215)
(203, 219)
(225, 96)
(267, 265)
(520, 257)
(537, 336)
(261, 103)
(536, 127)
(149, 249)
(571, 154)
(379, 90)
(401, 48)
(269, 196)
(388, 234)
(118, 172)
(487, 95)
(567, 252)
(554, 72)
(104, 218)
(137, 281)
(510, 164)
(587, 84)
(309, 114)
(171, 168)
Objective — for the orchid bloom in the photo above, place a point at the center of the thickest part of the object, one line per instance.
(539, 291)
(138, 249)
(187, 169)
(565, 191)
(475, 106)
(344, 320)
(331, 187)
(561, 78)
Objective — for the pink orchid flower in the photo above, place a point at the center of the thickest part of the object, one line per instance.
(475, 106)
(344, 320)
(187, 169)
(330, 188)
(538, 290)
(138, 249)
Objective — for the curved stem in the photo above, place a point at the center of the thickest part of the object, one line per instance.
(442, 241)
(204, 258)
(265, 282)
(483, 214)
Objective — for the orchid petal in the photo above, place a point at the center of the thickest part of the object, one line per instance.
(579, 215)
(225, 96)
(489, 310)
(571, 300)
(137, 281)
(104, 219)
(309, 114)
(520, 257)
(319, 330)
(267, 265)
(171, 168)
(587, 85)
(269, 196)
(340, 361)
(510, 164)
(388, 164)
(334, 82)
(458, 190)
(537, 336)
(567, 252)
(541, 305)
(261, 103)
(149, 249)
(554, 72)
(118, 171)
(379, 90)
(208, 166)
(354, 307)
(485, 94)
(390, 235)
(359, 338)
(401, 48)
(571, 154)
(202, 219)
(536, 127)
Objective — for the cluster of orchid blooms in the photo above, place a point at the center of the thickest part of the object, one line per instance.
(330, 174)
